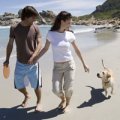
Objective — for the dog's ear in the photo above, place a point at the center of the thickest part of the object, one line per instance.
(98, 75)
(108, 75)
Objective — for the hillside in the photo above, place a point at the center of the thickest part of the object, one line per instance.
(109, 9)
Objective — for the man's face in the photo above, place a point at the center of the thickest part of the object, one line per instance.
(30, 20)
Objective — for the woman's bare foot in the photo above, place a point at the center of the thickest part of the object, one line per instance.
(66, 108)
(62, 104)
(38, 107)
(25, 101)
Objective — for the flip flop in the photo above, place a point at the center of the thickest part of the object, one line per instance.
(6, 71)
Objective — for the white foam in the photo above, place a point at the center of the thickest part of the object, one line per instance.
(4, 27)
(83, 30)
(45, 26)
(3, 58)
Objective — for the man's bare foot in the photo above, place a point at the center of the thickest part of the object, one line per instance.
(38, 107)
(25, 101)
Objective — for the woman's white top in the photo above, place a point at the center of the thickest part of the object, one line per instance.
(61, 45)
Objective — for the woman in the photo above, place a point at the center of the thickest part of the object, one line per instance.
(64, 67)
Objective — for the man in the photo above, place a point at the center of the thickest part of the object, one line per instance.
(28, 44)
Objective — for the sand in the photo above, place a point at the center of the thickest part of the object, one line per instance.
(88, 100)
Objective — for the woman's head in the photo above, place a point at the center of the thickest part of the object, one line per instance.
(62, 19)
(28, 12)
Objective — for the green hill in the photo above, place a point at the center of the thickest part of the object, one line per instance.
(109, 9)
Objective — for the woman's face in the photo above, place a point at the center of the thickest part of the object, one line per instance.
(66, 24)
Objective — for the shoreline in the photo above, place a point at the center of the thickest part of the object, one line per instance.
(13, 55)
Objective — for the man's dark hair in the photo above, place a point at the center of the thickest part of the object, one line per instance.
(29, 11)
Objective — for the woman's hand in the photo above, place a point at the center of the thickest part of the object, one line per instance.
(32, 60)
(86, 68)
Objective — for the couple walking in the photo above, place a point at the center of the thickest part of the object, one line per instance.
(29, 49)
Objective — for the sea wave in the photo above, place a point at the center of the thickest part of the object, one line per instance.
(45, 26)
(48, 26)
(4, 27)
(3, 58)
(83, 30)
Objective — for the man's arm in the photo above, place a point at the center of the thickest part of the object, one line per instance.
(37, 50)
(9, 51)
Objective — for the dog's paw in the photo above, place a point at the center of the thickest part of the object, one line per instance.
(108, 97)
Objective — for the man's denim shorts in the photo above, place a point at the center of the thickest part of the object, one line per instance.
(25, 73)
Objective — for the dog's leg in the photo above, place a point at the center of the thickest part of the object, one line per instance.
(103, 86)
(112, 90)
(105, 92)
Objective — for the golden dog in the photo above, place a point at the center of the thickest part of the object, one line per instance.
(107, 79)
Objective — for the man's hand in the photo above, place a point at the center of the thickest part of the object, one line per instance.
(6, 63)
(32, 60)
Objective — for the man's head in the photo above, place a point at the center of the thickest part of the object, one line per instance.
(29, 13)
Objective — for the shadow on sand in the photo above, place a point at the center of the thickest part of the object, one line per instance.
(96, 97)
(17, 113)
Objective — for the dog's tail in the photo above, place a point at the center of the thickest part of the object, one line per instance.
(103, 65)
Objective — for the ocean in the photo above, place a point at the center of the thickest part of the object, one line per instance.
(86, 39)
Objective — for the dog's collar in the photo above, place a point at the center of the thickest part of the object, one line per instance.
(106, 82)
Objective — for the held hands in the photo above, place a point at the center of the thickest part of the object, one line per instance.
(32, 60)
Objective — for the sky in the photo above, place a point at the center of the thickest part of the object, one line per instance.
(75, 7)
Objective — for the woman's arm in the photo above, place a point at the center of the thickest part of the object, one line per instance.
(44, 50)
(77, 51)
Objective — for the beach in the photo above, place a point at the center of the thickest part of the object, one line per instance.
(88, 101)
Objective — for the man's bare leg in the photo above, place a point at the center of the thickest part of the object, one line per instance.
(25, 93)
(38, 95)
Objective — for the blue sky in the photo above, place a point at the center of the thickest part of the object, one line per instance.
(76, 7)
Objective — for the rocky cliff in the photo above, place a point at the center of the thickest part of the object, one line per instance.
(109, 9)
(10, 18)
